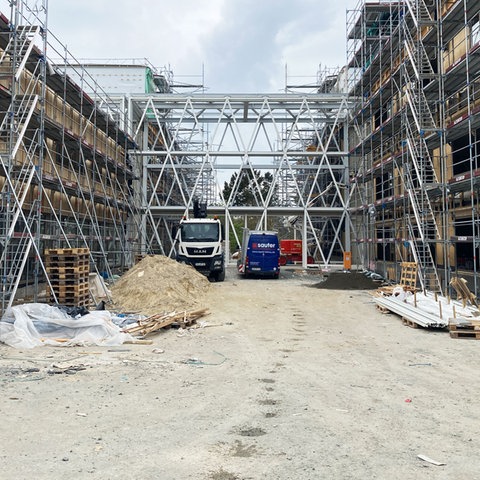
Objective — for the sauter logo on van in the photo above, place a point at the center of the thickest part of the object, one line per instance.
(263, 245)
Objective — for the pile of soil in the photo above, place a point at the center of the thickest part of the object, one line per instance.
(158, 284)
(348, 281)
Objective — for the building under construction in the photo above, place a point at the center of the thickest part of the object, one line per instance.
(379, 160)
(414, 67)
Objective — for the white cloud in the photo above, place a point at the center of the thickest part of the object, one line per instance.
(243, 44)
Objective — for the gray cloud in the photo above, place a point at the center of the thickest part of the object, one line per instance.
(242, 44)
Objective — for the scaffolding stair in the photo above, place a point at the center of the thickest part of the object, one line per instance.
(18, 159)
(420, 11)
(14, 258)
(418, 122)
(19, 48)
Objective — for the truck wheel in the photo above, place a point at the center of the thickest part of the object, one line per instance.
(220, 276)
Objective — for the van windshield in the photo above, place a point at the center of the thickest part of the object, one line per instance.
(200, 232)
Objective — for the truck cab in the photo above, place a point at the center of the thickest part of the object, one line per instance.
(200, 244)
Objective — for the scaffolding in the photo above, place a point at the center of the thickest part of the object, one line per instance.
(414, 65)
(65, 179)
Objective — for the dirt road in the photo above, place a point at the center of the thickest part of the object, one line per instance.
(287, 382)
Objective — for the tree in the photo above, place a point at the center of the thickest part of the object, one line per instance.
(246, 191)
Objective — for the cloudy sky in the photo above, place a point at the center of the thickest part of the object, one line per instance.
(237, 45)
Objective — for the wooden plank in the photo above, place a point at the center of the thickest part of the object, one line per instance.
(463, 293)
(156, 322)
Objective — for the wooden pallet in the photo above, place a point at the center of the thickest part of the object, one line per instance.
(67, 251)
(63, 297)
(68, 277)
(66, 261)
(70, 288)
(453, 327)
(382, 309)
(66, 282)
(408, 276)
(409, 323)
(69, 270)
(473, 334)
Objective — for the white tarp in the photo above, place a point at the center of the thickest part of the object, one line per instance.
(34, 324)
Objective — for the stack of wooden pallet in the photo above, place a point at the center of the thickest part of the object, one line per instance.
(68, 270)
(464, 328)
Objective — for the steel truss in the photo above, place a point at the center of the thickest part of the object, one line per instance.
(197, 143)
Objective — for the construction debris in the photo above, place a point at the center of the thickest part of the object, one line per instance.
(159, 284)
(34, 324)
(423, 309)
(154, 323)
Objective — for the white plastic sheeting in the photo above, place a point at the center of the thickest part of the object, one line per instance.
(34, 324)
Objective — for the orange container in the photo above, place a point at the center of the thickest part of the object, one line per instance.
(347, 260)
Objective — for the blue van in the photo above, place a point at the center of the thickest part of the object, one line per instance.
(260, 253)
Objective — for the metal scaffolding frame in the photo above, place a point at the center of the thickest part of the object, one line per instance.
(414, 66)
(200, 141)
(64, 176)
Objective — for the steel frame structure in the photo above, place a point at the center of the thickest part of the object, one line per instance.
(197, 142)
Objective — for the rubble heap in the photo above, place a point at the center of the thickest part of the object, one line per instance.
(159, 284)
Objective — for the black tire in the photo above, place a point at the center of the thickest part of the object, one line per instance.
(220, 276)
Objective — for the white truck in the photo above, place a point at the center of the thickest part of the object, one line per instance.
(200, 244)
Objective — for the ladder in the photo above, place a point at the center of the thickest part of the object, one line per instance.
(419, 174)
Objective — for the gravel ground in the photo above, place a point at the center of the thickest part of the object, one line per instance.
(285, 382)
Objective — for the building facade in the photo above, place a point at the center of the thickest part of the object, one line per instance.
(414, 71)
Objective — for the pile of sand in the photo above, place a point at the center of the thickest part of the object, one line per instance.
(158, 284)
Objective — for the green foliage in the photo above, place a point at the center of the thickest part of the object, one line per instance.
(245, 189)
(238, 224)
(246, 193)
